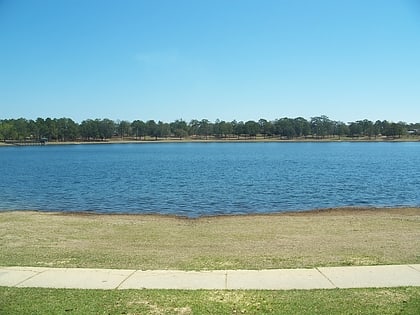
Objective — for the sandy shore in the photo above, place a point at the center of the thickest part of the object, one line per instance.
(345, 211)
(232, 140)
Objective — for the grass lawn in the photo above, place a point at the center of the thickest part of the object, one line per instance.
(299, 240)
(295, 240)
(349, 301)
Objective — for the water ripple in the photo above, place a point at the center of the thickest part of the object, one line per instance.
(195, 179)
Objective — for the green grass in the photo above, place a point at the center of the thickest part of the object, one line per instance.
(349, 301)
(324, 238)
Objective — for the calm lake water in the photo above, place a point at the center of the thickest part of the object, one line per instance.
(195, 179)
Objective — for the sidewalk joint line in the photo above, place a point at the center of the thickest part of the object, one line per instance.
(37, 273)
(411, 267)
(124, 280)
(329, 280)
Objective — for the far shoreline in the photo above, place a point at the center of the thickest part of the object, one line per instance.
(7, 143)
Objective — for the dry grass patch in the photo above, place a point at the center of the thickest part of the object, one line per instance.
(318, 238)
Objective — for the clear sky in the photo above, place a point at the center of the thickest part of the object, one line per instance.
(226, 59)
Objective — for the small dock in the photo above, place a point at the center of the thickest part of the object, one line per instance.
(39, 142)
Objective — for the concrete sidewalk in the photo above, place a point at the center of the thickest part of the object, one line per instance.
(274, 279)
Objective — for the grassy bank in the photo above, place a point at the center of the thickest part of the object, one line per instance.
(320, 238)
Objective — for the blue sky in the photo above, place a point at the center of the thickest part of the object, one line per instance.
(229, 59)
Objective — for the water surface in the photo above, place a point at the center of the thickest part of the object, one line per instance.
(195, 179)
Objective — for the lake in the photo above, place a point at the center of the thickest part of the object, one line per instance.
(197, 179)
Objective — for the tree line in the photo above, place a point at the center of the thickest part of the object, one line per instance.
(65, 129)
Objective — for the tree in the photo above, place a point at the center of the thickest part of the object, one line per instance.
(67, 129)
(179, 128)
(21, 127)
(251, 128)
(123, 128)
(163, 130)
(368, 128)
(33, 130)
(222, 129)
(321, 126)
(8, 131)
(341, 129)
(89, 129)
(284, 127)
(355, 129)
(266, 127)
(386, 128)
(2, 127)
(139, 128)
(226, 128)
(194, 127)
(52, 129)
(41, 128)
(302, 127)
(377, 127)
(106, 128)
(395, 129)
(216, 129)
(238, 128)
(204, 128)
(151, 129)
